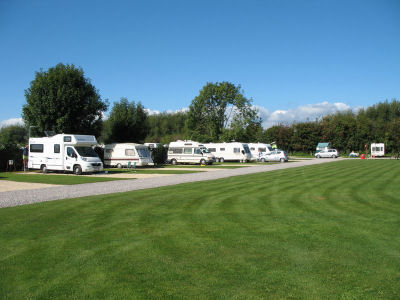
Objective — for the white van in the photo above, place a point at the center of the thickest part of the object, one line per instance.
(121, 154)
(256, 149)
(64, 152)
(229, 151)
(189, 152)
(377, 149)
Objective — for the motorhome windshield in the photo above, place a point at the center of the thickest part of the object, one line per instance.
(204, 150)
(143, 152)
(86, 151)
(246, 148)
(270, 148)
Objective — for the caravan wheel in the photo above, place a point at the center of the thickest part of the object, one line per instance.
(221, 159)
(119, 166)
(43, 168)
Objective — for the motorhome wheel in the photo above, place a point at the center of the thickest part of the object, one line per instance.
(263, 160)
(173, 162)
(221, 159)
(77, 170)
(282, 160)
(318, 156)
(203, 162)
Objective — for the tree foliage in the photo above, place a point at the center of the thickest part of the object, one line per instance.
(218, 107)
(128, 122)
(62, 99)
(12, 139)
(167, 127)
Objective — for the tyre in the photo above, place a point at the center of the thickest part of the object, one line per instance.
(216, 159)
(221, 159)
(77, 170)
(119, 166)
(263, 160)
(173, 162)
(282, 160)
(318, 156)
(334, 156)
(203, 162)
(44, 169)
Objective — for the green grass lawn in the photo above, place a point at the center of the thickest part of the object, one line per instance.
(317, 232)
(51, 178)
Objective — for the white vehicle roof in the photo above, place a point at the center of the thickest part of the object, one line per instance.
(70, 139)
(185, 143)
(122, 145)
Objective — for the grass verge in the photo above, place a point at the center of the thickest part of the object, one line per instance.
(324, 231)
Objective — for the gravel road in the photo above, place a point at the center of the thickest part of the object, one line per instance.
(22, 197)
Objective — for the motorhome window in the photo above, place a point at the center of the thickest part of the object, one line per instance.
(204, 149)
(197, 151)
(70, 152)
(212, 149)
(143, 152)
(36, 148)
(236, 150)
(270, 148)
(262, 149)
(246, 148)
(86, 151)
(56, 148)
(175, 150)
(221, 149)
(129, 152)
(67, 139)
(187, 150)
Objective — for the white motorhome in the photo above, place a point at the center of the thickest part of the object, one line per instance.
(64, 152)
(123, 154)
(377, 149)
(229, 151)
(189, 152)
(257, 148)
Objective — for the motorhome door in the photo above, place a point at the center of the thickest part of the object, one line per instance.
(70, 158)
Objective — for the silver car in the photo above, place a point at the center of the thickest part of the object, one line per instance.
(276, 155)
(331, 153)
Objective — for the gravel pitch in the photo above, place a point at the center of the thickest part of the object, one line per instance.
(22, 197)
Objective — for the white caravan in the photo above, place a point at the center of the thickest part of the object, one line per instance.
(377, 149)
(257, 148)
(189, 152)
(123, 154)
(230, 151)
(64, 152)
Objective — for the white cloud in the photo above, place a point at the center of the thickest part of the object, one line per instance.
(14, 121)
(308, 112)
(151, 112)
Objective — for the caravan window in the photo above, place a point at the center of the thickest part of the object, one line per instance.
(187, 150)
(109, 150)
(67, 139)
(129, 152)
(221, 149)
(56, 148)
(143, 152)
(212, 149)
(236, 150)
(252, 149)
(36, 148)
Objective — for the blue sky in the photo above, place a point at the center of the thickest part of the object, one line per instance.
(295, 59)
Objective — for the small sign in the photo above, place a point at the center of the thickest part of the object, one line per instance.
(10, 162)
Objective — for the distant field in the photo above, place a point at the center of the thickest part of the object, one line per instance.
(317, 232)
(51, 178)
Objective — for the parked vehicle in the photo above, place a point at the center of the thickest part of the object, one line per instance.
(152, 145)
(332, 153)
(64, 152)
(229, 151)
(189, 152)
(353, 154)
(257, 149)
(276, 155)
(377, 149)
(123, 154)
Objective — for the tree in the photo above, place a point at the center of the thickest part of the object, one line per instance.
(127, 123)
(63, 100)
(12, 139)
(215, 108)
